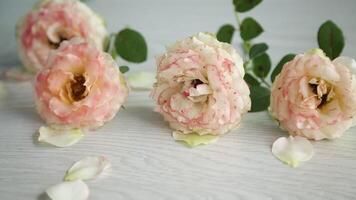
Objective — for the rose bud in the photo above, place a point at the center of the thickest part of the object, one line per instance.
(80, 87)
(315, 97)
(52, 21)
(200, 87)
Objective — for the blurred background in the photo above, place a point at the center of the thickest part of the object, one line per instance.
(290, 25)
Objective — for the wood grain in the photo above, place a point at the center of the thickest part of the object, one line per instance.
(147, 163)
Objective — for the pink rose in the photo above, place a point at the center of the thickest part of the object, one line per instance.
(200, 86)
(315, 97)
(81, 87)
(52, 21)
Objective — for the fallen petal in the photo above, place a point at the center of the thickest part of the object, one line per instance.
(141, 80)
(293, 150)
(193, 139)
(87, 168)
(60, 137)
(72, 190)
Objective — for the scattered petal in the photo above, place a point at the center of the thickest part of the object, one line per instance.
(60, 137)
(193, 139)
(72, 190)
(141, 80)
(293, 150)
(87, 168)
(18, 74)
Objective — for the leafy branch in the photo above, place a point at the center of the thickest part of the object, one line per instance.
(129, 44)
(257, 62)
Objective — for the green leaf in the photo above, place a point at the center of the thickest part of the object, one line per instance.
(250, 29)
(225, 33)
(124, 69)
(257, 50)
(245, 5)
(193, 139)
(260, 97)
(261, 65)
(331, 39)
(280, 65)
(250, 80)
(131, 46)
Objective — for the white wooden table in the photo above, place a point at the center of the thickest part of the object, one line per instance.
(147, 163)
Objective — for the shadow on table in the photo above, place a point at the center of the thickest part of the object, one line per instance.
(147, 115)
(43, 196)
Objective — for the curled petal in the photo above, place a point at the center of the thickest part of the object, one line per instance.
(141, 80)
(293, 150)
(193, 139)
(87, 168)
(60, 137)
(73, 190)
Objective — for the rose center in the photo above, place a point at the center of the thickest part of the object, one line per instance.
(196, 82)
(78, 89)
(55, 44)
(322, 90)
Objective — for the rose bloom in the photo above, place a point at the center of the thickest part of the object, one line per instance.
(80, 87)
(200, 86)
(315, 97)
(52, 21)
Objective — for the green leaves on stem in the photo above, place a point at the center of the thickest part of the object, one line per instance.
(225, 33)
(331, 39)
(128, 44)
(123, 69)
(260, 98)
(261, 65)
(131, 46)
(250, 80)
(250, 29)
(245, 5)
(257, 50)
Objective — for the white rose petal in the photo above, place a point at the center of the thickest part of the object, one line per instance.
(87, 168)
(73, 190)
(293, 150)
(348, 62)
(193, 139)
(141, 80)
(60, 137)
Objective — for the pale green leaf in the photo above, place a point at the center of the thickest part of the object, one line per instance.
(141, 80)
(194, 139)
(88, 168)
(293, 150)
(60, 137)
(72, 190)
